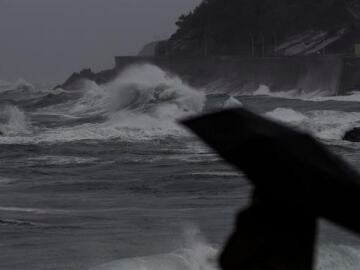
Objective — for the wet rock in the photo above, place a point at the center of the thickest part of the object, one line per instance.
(352, 135)
(75, 81)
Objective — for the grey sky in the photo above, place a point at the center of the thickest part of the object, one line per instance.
(46, 40)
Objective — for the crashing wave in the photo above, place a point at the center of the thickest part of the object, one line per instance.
(332, 257)
(288, 116)
(232, 102)
(196, 255)
(143, 102)
(13, 121)
(328, 125)
(353, 96)
(23, 85)
(143, 89)
(199, 255)
(264, 90)
(186, 259)
(144, 99)
(316, 96)
(19, 85)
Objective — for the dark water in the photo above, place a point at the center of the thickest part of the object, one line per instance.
(88, 177)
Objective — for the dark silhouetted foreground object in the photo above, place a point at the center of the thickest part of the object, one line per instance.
(353, 135)
(296, 181)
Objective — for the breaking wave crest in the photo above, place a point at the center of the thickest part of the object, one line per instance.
(204, 257)
(328, 125)
(144, 89)
(264, 90)
(143, 102)
(232, 102)
(19, 85)
(13, 121)
(316, 96)
(197, 254)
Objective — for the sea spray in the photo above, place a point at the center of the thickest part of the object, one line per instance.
(13, 121)
(334, 257)
(19, 85)
(327, 125)
(263, 90)
(140, 89)
(142, 103)
(232, 102)
(196, 254)
(315, 95)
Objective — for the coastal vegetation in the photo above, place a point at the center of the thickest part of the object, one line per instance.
(256, 27)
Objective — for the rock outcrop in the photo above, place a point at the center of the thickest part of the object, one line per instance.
(252, 29)
(267, 27)
(76, 79)
(353, 135)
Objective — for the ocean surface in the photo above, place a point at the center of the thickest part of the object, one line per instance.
(103, 177)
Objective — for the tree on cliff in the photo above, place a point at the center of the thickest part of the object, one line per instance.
(252, 26)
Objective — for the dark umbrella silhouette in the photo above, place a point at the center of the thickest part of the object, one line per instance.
(296, 180)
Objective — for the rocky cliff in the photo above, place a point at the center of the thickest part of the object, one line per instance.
(266, 27)
(254, 28)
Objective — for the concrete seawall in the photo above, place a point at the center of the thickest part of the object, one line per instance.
(232, 74)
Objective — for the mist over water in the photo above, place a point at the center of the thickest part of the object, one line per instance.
(104, 178)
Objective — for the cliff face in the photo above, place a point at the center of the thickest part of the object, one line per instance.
(254, 28)
(265, 27)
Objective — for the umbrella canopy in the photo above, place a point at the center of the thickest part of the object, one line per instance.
(294, 176)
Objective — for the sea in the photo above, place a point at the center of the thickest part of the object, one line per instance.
(104, 177)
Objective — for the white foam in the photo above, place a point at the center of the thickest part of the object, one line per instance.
(264, 90)
(140, 89)
(336, 257)
(24, 85)
(143, 102)
(232, 102)
(196, 255)
(20, 86)
(287, 115)
(351, 97)
(13, 121)
(316, 96)
(329, 125)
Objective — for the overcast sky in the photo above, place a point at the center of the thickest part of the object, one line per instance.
(46, 40)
